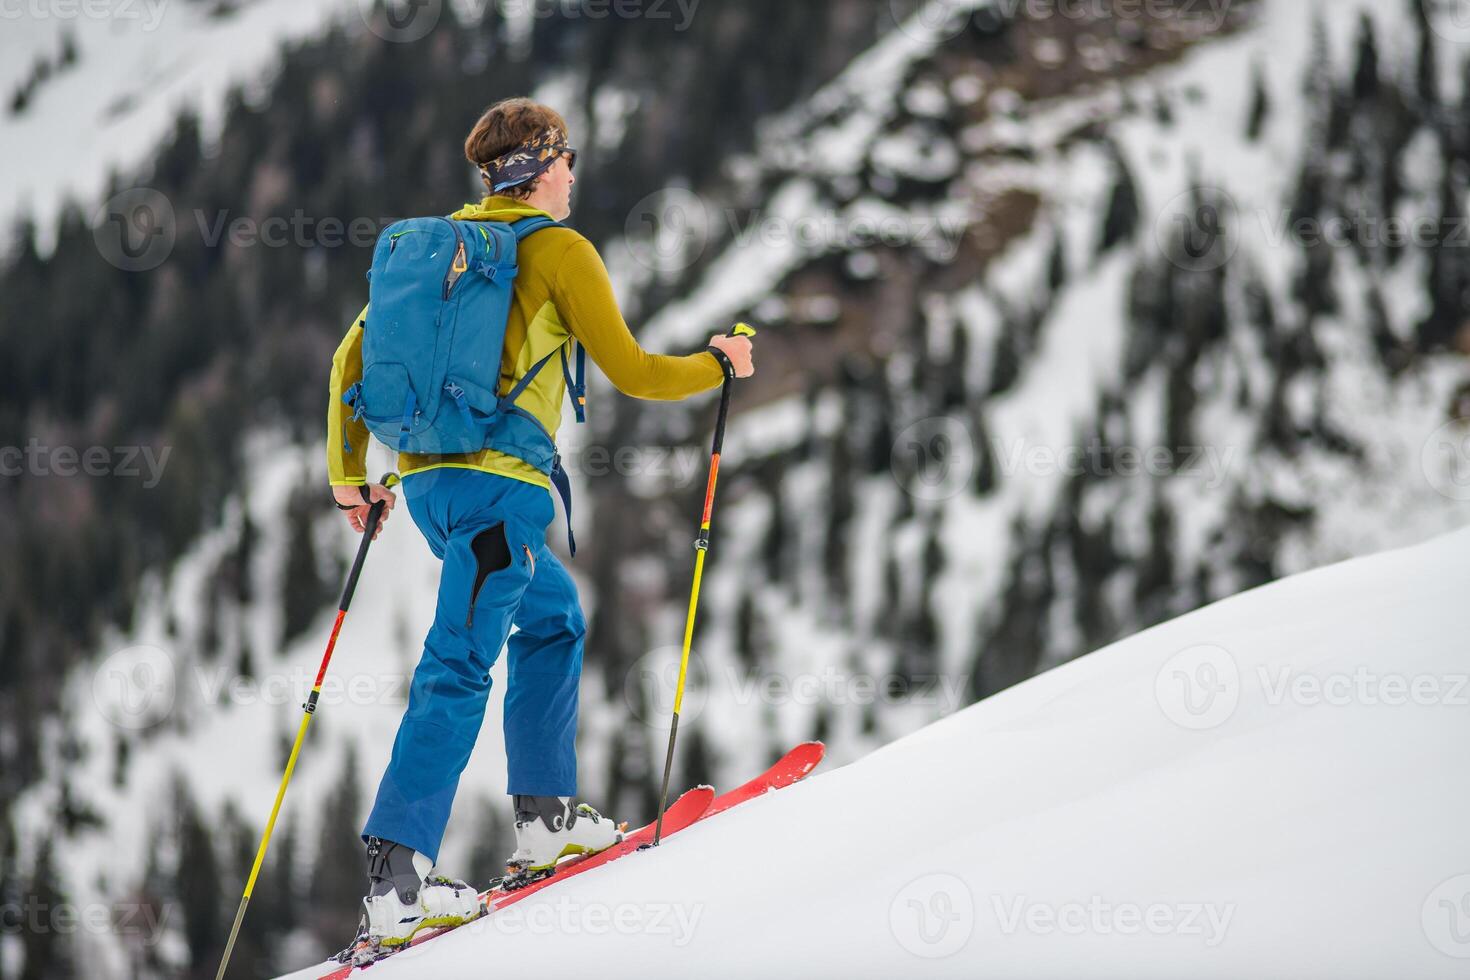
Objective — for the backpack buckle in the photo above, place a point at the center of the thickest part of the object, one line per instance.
(353, 396)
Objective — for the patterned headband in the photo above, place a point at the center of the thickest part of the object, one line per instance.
(526, 162)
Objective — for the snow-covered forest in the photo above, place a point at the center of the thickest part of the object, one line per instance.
(1074, 318)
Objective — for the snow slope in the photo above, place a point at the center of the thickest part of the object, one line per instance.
(1260, 788)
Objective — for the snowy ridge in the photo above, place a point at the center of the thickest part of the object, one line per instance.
(1115, 816)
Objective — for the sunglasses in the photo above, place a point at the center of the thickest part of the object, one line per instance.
(570, 154)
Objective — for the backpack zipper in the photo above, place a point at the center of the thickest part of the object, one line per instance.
(460, 263)
(456, 269)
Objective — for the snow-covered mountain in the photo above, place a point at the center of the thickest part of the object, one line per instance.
(1255, 788)
(1005, 415)
(132, 67)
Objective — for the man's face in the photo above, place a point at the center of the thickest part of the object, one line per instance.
(555, 190)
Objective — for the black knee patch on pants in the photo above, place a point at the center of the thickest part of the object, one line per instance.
(492, 554)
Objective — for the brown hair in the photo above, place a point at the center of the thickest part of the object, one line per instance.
(503, 127)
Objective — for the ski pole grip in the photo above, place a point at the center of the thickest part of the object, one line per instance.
(369, 528)
(739, 330)
(375, 513)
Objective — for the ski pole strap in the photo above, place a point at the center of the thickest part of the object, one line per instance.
(724, 359)
(367, 498)
(739, 330)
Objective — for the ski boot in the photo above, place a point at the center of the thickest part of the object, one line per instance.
(549, 828)
(405, 897)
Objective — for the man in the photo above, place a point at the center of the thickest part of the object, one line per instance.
(484, 514)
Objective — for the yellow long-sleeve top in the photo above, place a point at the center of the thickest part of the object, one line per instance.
(562, 292)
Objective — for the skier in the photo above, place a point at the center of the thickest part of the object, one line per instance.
(484, 514)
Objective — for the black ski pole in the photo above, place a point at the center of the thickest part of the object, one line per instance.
(375, 514)
(701, 547)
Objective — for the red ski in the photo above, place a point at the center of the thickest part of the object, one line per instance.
(787, 770)
(684, 811)
(791, 767)
(695, 805)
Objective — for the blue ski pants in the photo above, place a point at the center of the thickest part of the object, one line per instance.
(490, 533)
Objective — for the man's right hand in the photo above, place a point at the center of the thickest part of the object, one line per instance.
(740, 352)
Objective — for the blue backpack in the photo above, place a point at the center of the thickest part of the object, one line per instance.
(439, 299)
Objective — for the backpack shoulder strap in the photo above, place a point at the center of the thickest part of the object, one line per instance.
(576, 385)
(531, 225)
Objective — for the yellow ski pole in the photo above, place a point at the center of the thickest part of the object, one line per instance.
(701, 548)
(309, 708)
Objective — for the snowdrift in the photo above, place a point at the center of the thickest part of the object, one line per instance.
(1269, 786)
